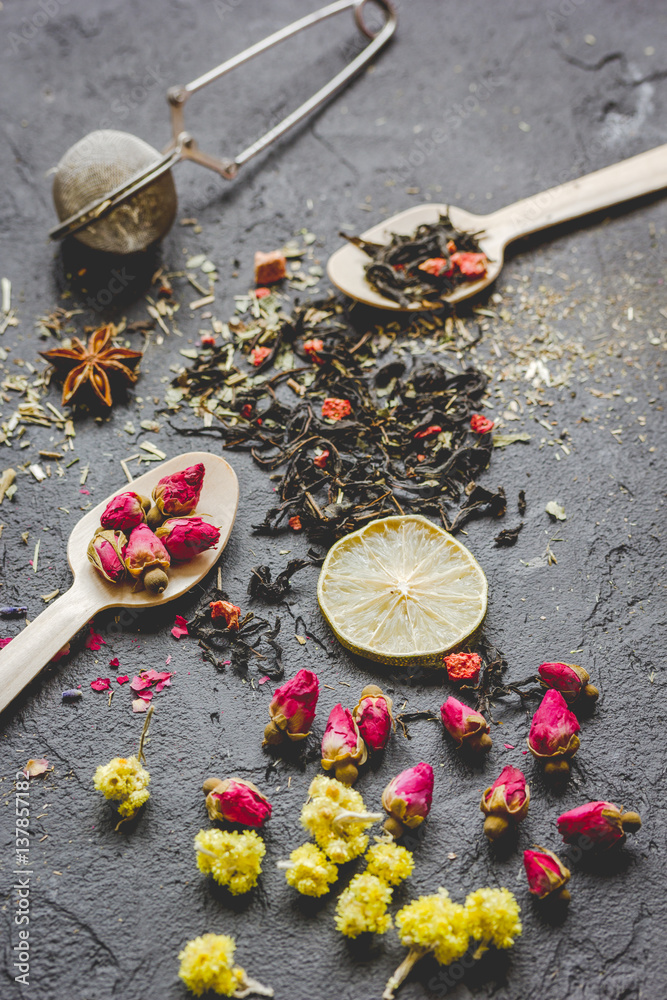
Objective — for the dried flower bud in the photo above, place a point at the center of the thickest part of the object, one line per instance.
(125, 512)
(106, 552)
(207, 967)
(309, 870)
(552, 736)
(236, 801)
(342, 746)
(465, 725)
(546, 874)
(229, 613)
(407, 798)
(147, 559)
(292, 708)
(185, 537)
(177, 494)
(373, 717)
(602, 823)
(463, 666)
(568, 678)
(505, 802)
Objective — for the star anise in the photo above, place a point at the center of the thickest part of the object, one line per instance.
(90, 367)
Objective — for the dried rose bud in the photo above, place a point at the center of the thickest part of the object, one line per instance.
(292, 708)
(568, 678)
(553, 733)
(185, 537)
(546, 874)
(465, 725)
(463, 666)
(146, 559)
(505, 802)
(106, 553)
(407, 798)
(125, 512)
(603, 823)
(177, 494)
(373, 717)
(342, 746)
(480, 424)
(236, 801)
(229, 613)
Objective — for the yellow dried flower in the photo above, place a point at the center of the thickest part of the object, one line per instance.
(436, 924)
(362, 907)
(336, 816)
(233, 859)
(310, 872)
(206, 964)
(123, 780)
(493, 918)
(390, 862)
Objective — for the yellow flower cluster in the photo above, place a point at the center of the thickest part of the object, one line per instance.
(123, 780)
(310, 871)
(390, 862)
(362, 907)
(206, 964)
(493, 918)
(436, 924)
(233, 859)
(323, 815)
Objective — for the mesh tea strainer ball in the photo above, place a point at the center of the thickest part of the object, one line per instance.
(114, 192)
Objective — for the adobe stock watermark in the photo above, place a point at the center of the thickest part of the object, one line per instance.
(565, 9)
(120, 280)
(455, 116)
(225, 7)
(47, 10)
(20, 951)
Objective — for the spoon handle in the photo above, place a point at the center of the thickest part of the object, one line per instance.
(612, 185)
(23, 658)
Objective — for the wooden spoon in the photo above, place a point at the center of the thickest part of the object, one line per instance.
(23, 658)
(628, 179)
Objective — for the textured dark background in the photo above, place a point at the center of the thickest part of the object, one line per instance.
(111, 910)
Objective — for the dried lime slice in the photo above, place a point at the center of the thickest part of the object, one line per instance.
(402, 590)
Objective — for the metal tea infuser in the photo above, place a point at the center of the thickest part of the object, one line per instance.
(114, 192)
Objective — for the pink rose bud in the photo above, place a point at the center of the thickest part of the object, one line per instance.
(147, 559)
(236, 801)
(553, 733)
(545, 874)
(568, 678)
(465, 725)
(292, 708)
(342, 746)
(373, 717)
(602, 823)
(125, 512)
(505, 802)
(106, 553)
(185, 537)
(407, 798)
(228, 612)
(177, 494)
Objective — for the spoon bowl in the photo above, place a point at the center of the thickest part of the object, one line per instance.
(612, 185)
(23, 658)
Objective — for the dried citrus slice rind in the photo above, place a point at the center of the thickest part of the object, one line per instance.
(401, 590)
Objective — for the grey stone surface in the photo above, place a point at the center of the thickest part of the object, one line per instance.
(529, 94)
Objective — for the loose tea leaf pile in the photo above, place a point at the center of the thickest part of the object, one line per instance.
(404, 446)
(425, 267)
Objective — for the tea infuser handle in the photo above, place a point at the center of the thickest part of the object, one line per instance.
(631, 178)
(28, 652)
(178, 96)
